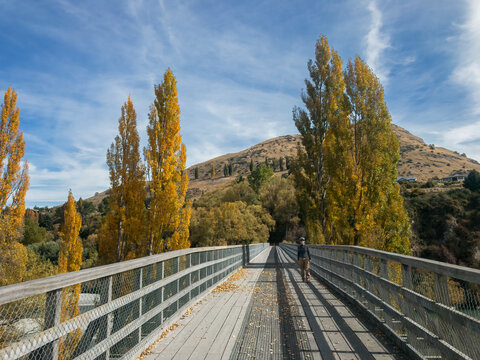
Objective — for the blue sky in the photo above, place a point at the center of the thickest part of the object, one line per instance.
(240, 67)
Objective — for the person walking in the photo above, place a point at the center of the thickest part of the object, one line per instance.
(304, 259)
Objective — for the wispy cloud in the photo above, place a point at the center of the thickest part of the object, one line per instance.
(467, 72)
(466, 136)
(377, 41)
(229, 89)
(239, 65)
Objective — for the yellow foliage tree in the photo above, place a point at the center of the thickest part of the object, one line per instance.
(168, 216)
(13, 187)
(70, 256)
(378, 218)
(212, 172)
(346, 173)
(231, 223)
(122, 235)
(70, 259)
(322, 98)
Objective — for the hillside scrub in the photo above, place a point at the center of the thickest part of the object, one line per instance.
(446, 225)
(278, 197)
(230, 216)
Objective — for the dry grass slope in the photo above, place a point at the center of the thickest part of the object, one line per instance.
(417, 159)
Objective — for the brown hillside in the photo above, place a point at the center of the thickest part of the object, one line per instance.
(417, 159)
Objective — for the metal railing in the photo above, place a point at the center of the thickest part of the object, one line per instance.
(112, 311)
(429, 308)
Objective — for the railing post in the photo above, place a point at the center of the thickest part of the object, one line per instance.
(177, 268)
(106, 323)
(140, 285)
(407, 276)
(384, 275)
(53, 309)
(162, 293)
(189, 264)
(442, 294)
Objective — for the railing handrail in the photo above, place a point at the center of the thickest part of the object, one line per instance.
(10, 293)
(456, 271)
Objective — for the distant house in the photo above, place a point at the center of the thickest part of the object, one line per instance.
(401, 179)
(455, 178)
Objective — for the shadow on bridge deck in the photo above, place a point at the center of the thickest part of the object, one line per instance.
(267, 312)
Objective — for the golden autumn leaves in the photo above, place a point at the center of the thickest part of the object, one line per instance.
(168, 217)
(13, 186)
(147, 213)
(346, 174)
(132, 229)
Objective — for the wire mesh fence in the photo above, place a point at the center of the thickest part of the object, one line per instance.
(112, 311)
(431, 309)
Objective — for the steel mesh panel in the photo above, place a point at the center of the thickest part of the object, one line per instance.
(169, 290)
(183, 300)
(170, 267)
(124, 315)
(20, 319)
(151, 300)
(423, 283)
(184, 282)
(152, 273)
(169, 311)
(152, 324)
(124, 345)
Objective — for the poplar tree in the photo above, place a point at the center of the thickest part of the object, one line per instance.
(251, 165)
(322, 98)
(70, 259)
(14, 179)
(230, 169)
(122, 236)
(225, 170)
(196, 173)
(378, 218)
(280, 163)
(169, 214)
(70, 255)
(14, 183)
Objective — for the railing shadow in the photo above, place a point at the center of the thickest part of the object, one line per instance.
(358, 347)
(265, 265)
(287, 328)
(318, 334)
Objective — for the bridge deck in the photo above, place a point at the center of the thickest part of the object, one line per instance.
(267, 312)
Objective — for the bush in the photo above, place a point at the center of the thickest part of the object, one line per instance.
(260, 176)
(472, 182)
(33, 233)
(429, 184)
(47, 251)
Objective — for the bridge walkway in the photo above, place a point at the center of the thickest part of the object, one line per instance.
(266, 312)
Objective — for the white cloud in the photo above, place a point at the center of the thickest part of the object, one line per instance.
(467, 72)
(79, 106)
(466, 136)
(376, 43)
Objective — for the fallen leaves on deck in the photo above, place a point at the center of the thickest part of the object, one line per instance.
(226, 287)
(239, 275)
(148, 350)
